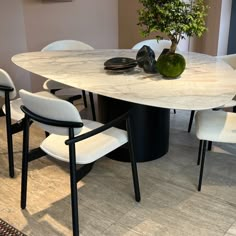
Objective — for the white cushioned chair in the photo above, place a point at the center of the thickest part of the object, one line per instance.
(154, 44)
(64, 91)
(71, 140)
(213, 126)
(11, 109)
(231, 60)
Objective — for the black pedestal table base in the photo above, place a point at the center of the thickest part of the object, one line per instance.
(149, 125)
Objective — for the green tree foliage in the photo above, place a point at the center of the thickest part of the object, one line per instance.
(174, 18)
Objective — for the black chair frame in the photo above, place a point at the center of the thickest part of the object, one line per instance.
(75, 174)
(191, 121)
(10, 128)
(201, 160)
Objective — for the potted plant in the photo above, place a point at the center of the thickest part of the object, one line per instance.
(173, 19)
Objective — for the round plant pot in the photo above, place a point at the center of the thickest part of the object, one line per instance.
(170, 65)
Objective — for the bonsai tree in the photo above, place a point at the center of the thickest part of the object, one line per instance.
(175, 18)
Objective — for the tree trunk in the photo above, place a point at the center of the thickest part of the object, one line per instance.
(173, 46)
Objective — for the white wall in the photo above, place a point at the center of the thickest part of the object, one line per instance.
(13, 41)
(28, 25)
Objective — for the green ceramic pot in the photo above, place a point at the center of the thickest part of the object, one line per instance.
(170, 65)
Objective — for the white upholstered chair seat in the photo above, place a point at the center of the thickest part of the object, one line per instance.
(88, 150)
(216, 126)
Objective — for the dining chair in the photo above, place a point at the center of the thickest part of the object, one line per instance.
(64, 91)
(231, 60)
(213, 126)
(155, 45)
(71, 140)
(11, 110)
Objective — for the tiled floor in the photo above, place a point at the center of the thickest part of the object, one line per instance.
(170, 205)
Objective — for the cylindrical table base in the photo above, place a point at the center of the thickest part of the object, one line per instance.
(150, 128)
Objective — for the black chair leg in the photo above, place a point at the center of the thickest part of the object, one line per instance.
(73, 185)
(174, 111)
(191, 121)
(9, 136)
(209, 146)
(84, 98)
(25, 163)
(74, 201)
(133, 164)
(202, 165)
(199, 153)
(92, 106)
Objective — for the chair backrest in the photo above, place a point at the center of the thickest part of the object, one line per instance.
(5, 80)
(67, 45)
(153, 44)
(51, 108)
(62, 45)
(229, 59)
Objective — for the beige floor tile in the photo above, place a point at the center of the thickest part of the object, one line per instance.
(232, 230)
(170, 205)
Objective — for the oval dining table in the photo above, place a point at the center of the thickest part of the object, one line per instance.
(206, 83)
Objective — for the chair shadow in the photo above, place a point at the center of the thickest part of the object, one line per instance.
(49, 220)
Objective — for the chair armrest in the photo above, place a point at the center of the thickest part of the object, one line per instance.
(100, 129)
(6, 88)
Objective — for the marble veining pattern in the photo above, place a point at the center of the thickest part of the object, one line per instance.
(206, 83)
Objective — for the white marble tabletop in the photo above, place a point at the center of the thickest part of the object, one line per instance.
(206, 83)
